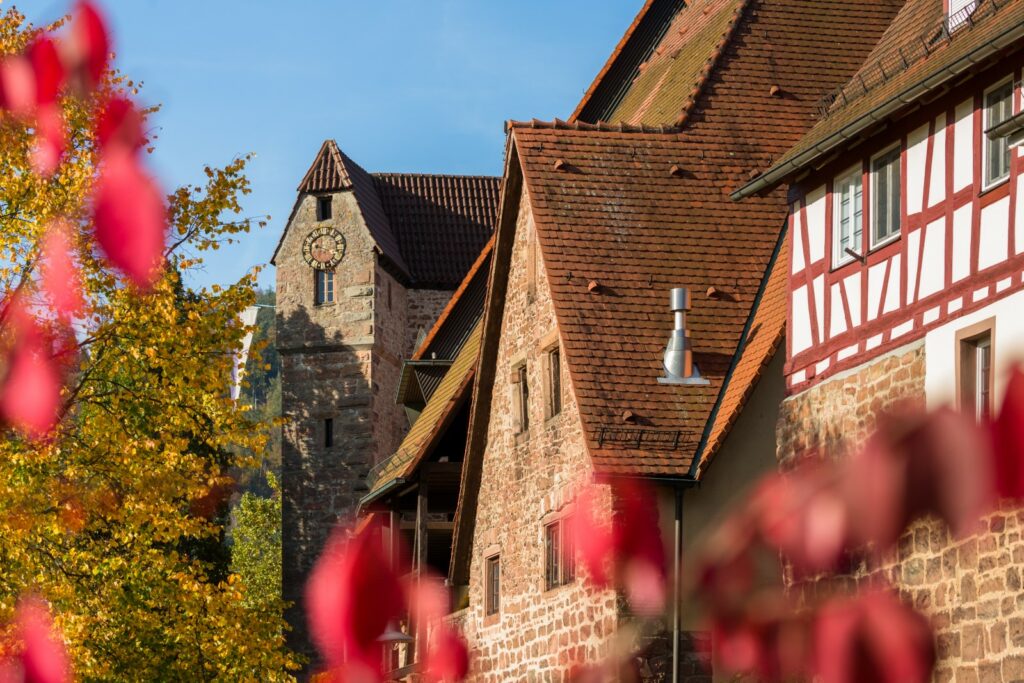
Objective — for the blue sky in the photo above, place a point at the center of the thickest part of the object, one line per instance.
(402, 85)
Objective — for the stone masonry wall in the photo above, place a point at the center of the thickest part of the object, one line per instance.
(969, 588)
(527, 478)
(326, 360)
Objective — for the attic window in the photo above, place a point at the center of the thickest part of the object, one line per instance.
(323, 208)
(959, 12)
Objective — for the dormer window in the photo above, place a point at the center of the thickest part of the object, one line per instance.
(323, 208)
(959, 12)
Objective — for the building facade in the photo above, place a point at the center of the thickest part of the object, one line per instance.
(364, 266)
(904, 281)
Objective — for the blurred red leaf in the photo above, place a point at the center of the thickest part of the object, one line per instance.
(1008, 440)
(60, 277)
(41, 656)
(120, 124)
(872, 638)
(351, 595)
(130, 217)
(50, 141)
(88, 44)
(47, 70)
(917, 465)
(30, 391)
(17, 85)
(447, 657)
(592, 536)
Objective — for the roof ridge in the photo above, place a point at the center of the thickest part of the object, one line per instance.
(712, 62)
(602, 126)
(393, 174)
(319, 177)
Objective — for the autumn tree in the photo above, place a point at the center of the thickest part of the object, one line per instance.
(256, 545)
(113, 514)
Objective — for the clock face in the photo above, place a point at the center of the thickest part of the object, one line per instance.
(323, 248)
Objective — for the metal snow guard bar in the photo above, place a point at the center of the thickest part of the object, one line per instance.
(640, 437)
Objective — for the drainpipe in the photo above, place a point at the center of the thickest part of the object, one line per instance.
(677, 582)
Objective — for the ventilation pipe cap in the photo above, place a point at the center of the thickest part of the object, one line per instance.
(678, 363)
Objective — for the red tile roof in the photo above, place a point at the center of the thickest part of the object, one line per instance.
(915, 57)
(619, 214)
(430, 228)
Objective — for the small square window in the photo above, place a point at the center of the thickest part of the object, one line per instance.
(847, 217)
(886, 207)
(974, 370)
(492, 589)
(553, 403)
(323, 208)
(323, 287)
(328, 433)
(998, 108)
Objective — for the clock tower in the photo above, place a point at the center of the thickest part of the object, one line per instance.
(364, 266)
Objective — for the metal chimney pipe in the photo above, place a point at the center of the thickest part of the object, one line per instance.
(678, 362)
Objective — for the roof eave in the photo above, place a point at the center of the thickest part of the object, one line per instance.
(778, 174)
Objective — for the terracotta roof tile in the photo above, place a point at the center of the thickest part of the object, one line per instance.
(327, 174)
(914, 57)
(441, 222)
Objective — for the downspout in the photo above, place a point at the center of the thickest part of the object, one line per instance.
(677, 592)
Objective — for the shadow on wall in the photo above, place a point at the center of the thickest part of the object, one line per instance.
(326, 447)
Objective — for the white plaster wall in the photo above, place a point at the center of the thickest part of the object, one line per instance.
(940, 348)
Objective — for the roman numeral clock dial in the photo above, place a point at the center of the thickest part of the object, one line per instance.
(323, 248)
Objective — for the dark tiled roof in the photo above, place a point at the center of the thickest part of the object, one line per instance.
(914, 57)
(430, 228)
(440, 221)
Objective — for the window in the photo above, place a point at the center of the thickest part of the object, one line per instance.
(521, 399)
(974, 370)
(559, 557)
(324, 293)
(998, 108)
(848, 217)
(960, 11)
(323, 208)
(885, 196)
(328, 433)
(553, 405)
(492, 590)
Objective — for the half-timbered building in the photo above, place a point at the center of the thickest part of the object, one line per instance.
(906, 235)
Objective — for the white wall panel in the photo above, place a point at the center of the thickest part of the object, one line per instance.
(1018, 220)
(963, 145)
(937, 183)
(892, 294)
(852, 285)
(917, 153)
(819, 301)
(816, 224)
(933, 265)
(798, 242)
(837, 322)
(801, 332)
(876, 276)
(962, 242)
(994, 233)
(913, 253)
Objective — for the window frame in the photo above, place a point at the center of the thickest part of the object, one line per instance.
(988, 143)
(552, 381)
(839, 257)
(492, 585)
(323, 201)
(560, 562)
(521, 397)
(325, 296)
(968, 341)
(872, 207)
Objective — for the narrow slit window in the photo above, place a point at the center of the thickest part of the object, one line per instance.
(885, 196)
(522, 399)
(998, 108)
(323, 208)
(848, 217)
(492, 576)
(554, 382)
(328, 433)
(324, 287)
